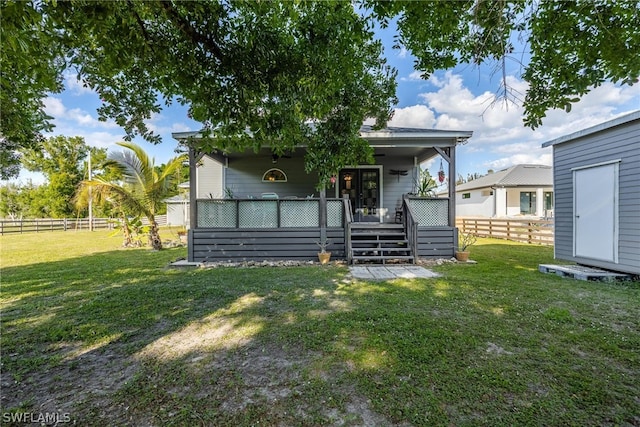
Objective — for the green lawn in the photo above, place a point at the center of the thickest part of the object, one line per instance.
(111, 336)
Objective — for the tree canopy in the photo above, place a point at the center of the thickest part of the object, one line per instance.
(254, 73)
(288, 73)
(570, 46)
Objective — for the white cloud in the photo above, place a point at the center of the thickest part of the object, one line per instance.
(53, 106)
(74, 117)
(76, 86)
(500, 138)
(414, 76)
(417, 116)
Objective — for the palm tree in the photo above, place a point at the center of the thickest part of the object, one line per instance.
(142, 188)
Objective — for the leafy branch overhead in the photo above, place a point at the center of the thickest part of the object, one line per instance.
(256, 73)
(569, 46)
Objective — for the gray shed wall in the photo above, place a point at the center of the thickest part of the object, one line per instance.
(620, 142)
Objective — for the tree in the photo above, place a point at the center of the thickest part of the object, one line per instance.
(254, 73)
(142, 189)
(574, 45)
(32, 66)
(60, 159)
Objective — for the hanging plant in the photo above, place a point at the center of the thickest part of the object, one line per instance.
(441, 173)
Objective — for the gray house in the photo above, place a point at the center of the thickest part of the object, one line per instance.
(272, 210)
(597, 195)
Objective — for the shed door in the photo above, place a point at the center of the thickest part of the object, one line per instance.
(595, 226)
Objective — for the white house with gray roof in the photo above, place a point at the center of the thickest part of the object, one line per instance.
(521, 190)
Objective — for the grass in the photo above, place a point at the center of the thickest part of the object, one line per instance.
(111, 336)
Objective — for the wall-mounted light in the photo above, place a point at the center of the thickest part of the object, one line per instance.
(347, 181)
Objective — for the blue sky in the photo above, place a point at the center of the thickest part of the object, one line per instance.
(462, 98)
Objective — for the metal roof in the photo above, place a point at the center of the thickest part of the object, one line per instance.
(593, 129)
(398, 136)
(515, 176)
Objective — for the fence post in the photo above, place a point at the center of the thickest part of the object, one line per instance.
(529, 236)
(65, 224)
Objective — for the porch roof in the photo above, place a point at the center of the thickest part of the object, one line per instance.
(401, 141)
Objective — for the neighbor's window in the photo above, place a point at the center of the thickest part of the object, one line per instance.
(466, 195)
(274, 175)
(528, 203)
(487, 193)
(548, 200)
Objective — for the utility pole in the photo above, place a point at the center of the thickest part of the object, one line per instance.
(90, 196)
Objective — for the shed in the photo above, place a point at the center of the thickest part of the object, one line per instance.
(596, 174)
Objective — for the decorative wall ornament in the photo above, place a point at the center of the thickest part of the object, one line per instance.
(274, 175)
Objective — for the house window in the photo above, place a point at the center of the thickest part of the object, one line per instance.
(527, 203)
(274, 175)
(466, 195)
(548, 200)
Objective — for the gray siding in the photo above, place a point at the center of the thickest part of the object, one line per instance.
(436, 242)
(207, 245)
(244, 177)
(620, 142)
(395, 186)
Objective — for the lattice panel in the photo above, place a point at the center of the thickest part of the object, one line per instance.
(258, 214)
(334, 213)
(217, 213)
(299, 213)
(431, 212)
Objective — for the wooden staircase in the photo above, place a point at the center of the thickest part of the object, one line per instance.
(379, 243)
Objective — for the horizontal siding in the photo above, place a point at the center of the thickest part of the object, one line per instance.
(618, 143)
(262, 244)
(436, 242)
(210, 245)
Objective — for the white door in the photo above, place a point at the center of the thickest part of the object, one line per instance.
(595, 225)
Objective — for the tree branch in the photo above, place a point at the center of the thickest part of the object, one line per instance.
(183, 25)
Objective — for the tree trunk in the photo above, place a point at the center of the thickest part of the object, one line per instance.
(154, 234)
(126, 231)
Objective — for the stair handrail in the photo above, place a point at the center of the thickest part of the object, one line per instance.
(410, 226)
(348, 219)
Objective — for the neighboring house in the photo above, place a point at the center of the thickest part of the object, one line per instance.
(178, 208)
(272, 209)
(597, 195)
(516, 191)
(209, 184)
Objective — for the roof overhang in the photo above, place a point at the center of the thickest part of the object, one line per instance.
(594, 129)
(419, 143)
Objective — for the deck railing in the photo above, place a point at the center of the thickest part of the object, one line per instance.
(430, 212)
(266, 213)
(411, 223)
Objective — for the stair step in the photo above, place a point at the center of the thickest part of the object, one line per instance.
(361, 257)
(386, 234)
(375, 226)
(379, 242)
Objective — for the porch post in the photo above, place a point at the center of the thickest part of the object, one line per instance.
(452, 186)
(323, 215)
(193, 193)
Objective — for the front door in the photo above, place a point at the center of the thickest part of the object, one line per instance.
(596, 206)
(362, 188)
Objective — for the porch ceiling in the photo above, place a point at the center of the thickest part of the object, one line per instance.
(421, 153)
